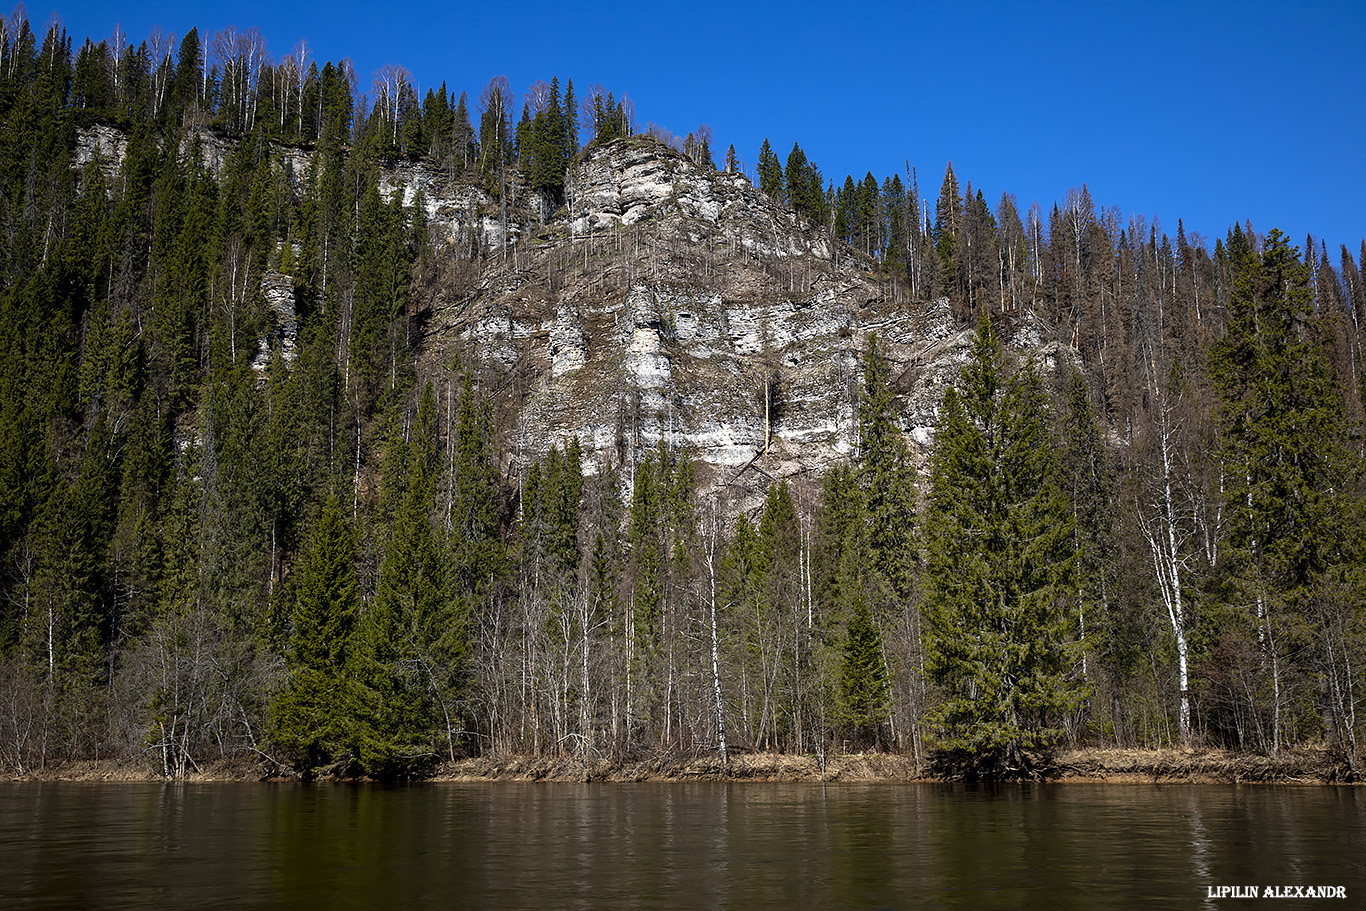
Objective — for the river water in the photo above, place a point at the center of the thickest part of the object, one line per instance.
(663, 845)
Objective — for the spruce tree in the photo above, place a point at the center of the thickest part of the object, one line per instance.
(948, 222)
(797, 183)
(888, 481)
(770, 172)
(1001, 568)
(1089, 476)
(465, 149)
(864, 702)
(393, 664)
(571, 123)
(1295, 520)
(310, 715)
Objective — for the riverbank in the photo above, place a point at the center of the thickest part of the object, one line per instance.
(1303, 766)
(1300, 766)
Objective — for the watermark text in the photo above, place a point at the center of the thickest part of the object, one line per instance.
(1276, 892)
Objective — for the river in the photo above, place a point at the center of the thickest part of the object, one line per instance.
(665, 845)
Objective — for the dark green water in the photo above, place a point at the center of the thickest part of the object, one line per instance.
(704, 845)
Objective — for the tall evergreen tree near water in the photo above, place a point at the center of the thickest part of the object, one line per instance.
(1089, 478)
(1286, 440)
(888, 481)
(1001, 569)
(864, 702)
(310, 715)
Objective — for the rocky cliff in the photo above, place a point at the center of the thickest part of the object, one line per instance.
(670, 302)
(663, 301)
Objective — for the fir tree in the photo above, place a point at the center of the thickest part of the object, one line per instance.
(797, 184)
(1089, 476)
(392, 664)
(1000, 570)
(465, 149)
(888, 481)
(310, 715)
(864, 702)
(770, 172)
(571, 123)
(948, 222)
(1286, 441)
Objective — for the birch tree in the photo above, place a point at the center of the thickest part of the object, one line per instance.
(1167, 521)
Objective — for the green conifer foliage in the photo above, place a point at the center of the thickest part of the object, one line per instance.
(1285, 432)
(392, 663)
(475, 550)
(888, 482)
(465, 150)
(866, 531)
(1088, 474)
(310, 714)
(770, 172)
(647, 557)
(948, 222)
(864, 702)
(551, 505)
(842, 537)
(571, 122)
(1295, 521)
(1000, 571)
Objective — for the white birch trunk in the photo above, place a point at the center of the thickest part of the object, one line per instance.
(710, 552)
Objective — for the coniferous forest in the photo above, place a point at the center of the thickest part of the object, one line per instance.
(313, 552)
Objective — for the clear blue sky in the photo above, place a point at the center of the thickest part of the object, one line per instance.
(1208, 112)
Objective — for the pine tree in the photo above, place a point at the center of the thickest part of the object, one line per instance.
(948, 223)
(1000, 570)
(1286, 441)
(888, 482)
(864, 702)
(770, 172)
(392, 664)
(310, 715)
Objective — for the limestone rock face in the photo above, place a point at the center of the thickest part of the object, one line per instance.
(459, 214)
(634, 179)
(104, 145)
(662, 302)
(676, 304)
(278, 291)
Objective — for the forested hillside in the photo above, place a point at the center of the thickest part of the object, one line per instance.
(357, 431)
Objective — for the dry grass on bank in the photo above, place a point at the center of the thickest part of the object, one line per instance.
(742, 767)
(247, 768)
(1303, 765)
(1298, 766)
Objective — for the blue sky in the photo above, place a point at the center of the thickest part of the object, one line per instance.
(1208, 112)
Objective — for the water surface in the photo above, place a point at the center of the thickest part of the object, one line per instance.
(664, 845)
